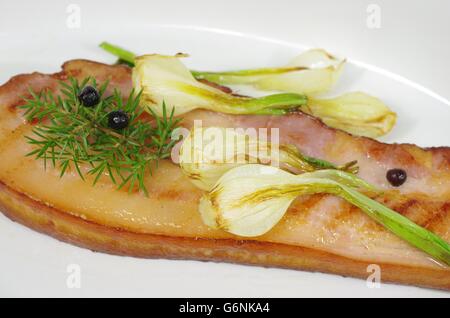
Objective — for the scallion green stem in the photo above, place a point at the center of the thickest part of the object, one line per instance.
(217, 77)
(401, 226)
(241, 76)
(121, 53)
(347, 186)
(273, 104)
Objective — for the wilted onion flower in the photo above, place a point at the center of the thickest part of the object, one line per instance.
(207, 153)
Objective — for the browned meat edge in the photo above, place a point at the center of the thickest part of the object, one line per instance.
(96, 237)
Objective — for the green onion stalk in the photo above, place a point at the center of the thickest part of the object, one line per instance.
(166, 79)
(310, 73)
(251, 199)
(204, 162)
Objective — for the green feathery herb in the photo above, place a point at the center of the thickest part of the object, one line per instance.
(69, 134)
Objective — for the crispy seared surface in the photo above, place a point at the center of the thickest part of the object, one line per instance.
(319, 232)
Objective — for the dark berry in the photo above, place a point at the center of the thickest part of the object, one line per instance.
(89, 96)
(118, 119)
(396, 177)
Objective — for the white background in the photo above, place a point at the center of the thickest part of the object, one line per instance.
(412, 43)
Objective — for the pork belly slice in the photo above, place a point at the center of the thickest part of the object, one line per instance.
(319, 232)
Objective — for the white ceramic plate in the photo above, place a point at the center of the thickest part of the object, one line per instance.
(33, 264)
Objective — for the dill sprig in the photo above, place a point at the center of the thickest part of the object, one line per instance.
(69, 135)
